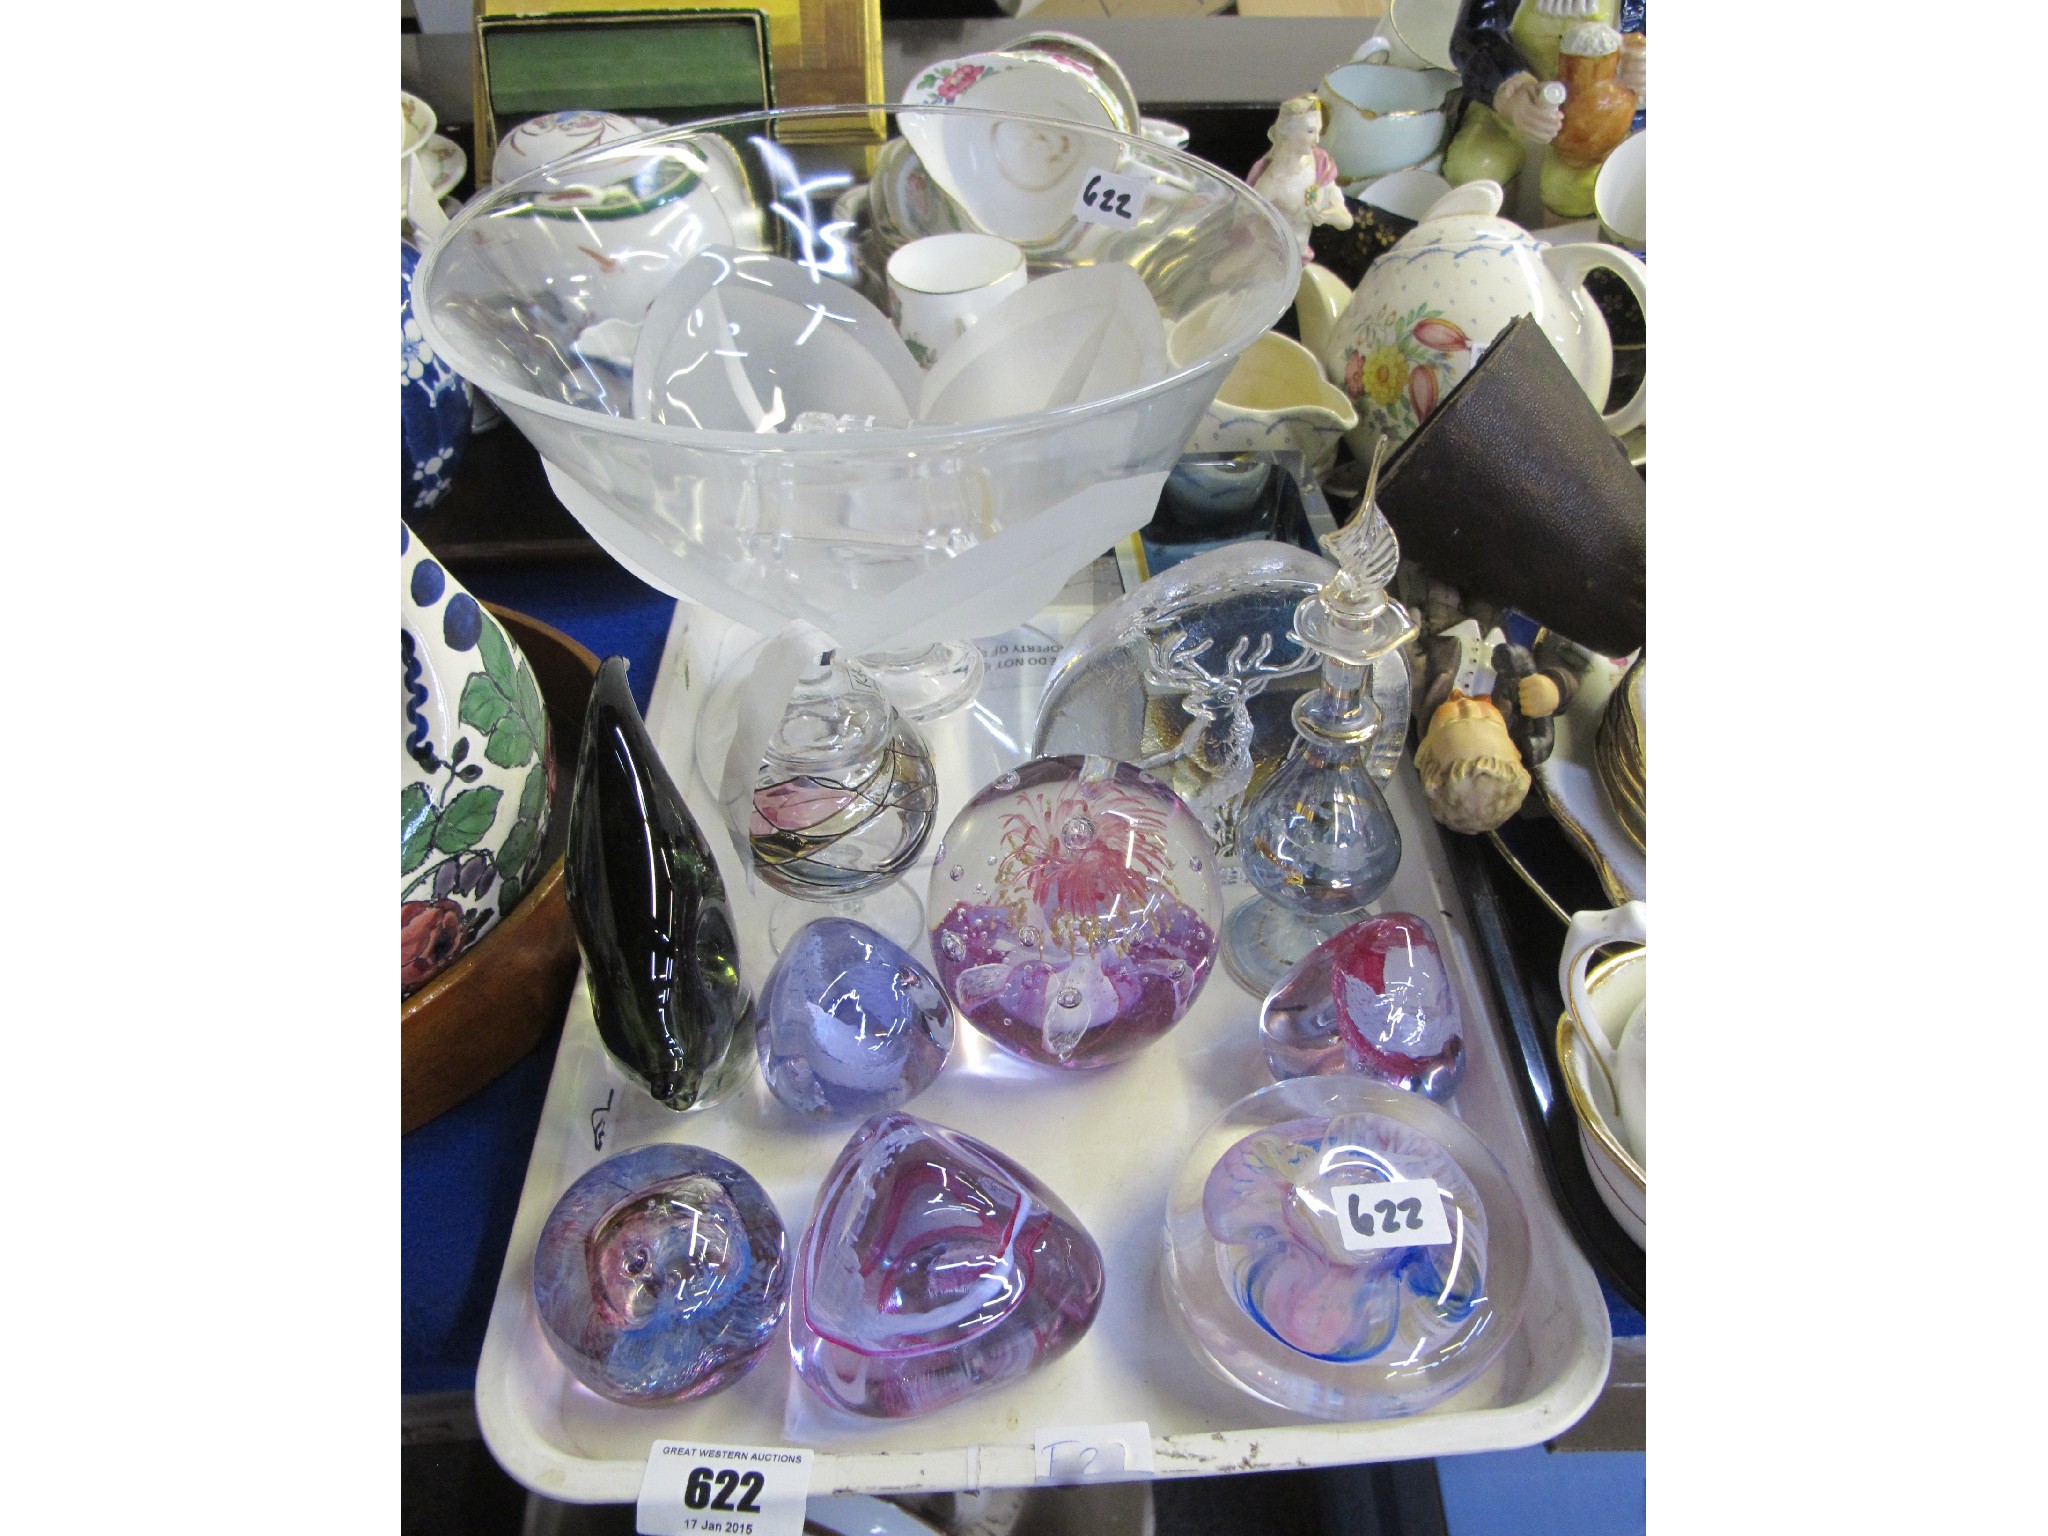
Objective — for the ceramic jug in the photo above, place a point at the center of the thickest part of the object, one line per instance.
(1276, 397)
(1425, 311)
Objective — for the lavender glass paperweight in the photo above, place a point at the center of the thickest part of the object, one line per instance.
(1074, 906)
(1375, 999)
(661, 1275)
(850, 1023)
(1340, 1248)
(934, 1267)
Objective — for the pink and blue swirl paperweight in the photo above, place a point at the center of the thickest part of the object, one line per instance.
(1345, 1249)
(934, 1267)
(661, 1275)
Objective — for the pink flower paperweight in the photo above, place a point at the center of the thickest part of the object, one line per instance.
(934, 1267)
(661, 1275)
(1074, 905)
(1340, 1248)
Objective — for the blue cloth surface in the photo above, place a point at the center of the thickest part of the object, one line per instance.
(1535, 1492)
(1624, 1319)
(460, 1175)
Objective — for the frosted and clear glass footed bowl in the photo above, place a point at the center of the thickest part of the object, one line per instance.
(685, 326)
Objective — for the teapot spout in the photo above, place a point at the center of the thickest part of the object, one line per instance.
(1318, 302)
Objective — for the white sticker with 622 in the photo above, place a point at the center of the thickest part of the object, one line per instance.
(744, 1490)
(1407, 1213)
(1107, 198)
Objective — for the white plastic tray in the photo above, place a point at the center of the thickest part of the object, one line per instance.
(1109, 1143)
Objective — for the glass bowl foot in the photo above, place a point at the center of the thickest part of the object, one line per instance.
(1262, 941)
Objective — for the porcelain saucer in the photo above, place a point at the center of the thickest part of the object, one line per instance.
(1569, 783)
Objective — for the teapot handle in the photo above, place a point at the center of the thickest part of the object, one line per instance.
(1569, 264)
(1590, 931)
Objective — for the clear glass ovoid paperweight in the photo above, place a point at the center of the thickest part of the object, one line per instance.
(1073, 907)
(660, 1275)
(1340, 1248)
(801, 466)
(934, 1267)
(1318, 841)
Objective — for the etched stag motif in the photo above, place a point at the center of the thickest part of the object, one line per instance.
(1221, 757)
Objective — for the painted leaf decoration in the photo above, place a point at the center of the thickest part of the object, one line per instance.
(526, 699)
(534, 794)
(468, 817)
(518, 848)
(511, 743)
(483, 705)
(415, 827)
(497, 655)
(508, 895)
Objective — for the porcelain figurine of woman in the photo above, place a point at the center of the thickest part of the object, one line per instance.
(1297, 176)
(1506, 52)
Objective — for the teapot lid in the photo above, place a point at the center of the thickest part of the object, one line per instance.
(1479, 199)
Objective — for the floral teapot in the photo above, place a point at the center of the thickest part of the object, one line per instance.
(1425, 311)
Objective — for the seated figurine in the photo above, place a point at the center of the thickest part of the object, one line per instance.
(1486, 707)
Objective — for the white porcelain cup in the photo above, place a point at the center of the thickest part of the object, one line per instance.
(1383, 118)
(1619, 196)
(1632, 1080)
(417, 204)
(1620, 1051)
(942, 284)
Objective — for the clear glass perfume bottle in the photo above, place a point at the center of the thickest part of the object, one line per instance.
(1318, 841)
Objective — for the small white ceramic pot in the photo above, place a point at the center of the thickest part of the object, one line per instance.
(942, 284)
(1277, 398)
(474, 768)
(1599, 1048)
(1382, 118)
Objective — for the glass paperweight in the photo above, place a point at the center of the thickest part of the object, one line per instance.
(934, 1267)
(1340, 1248)
(1207, 646)
(851, 1024)
(843, 804)
(1074, 906)
(1373, 999)
(660, 956)
(661, 1275)
(1318, 841)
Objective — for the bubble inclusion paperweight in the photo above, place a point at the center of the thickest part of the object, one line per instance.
(661, 1275)
(1074, 904)
(1262, 1284)
(850, 1023)
(934, 1267)
(1318, 841)
(660, 957)
(843, 804)
(1374, 999)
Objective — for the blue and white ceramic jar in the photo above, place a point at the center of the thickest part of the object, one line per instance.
(476, 768)
(435, 410)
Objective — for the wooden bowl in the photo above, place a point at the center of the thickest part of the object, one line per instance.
(499, 1000)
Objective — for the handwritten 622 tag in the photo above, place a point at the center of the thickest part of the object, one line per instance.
(1107, 198)
(1407, 1213)
(744, 1490)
